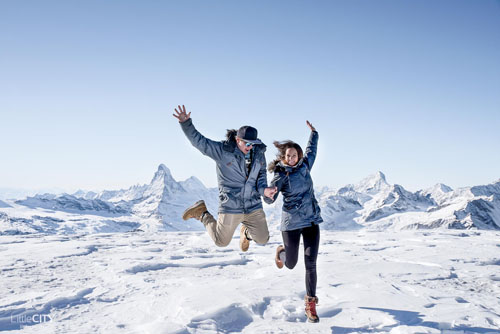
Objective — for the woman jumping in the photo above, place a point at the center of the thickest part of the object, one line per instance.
(300, 213)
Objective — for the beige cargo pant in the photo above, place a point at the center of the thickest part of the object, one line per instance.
(222, 230)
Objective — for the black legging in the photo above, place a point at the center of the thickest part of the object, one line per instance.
(310, 236)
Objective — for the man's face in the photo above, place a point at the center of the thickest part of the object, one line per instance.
(242, 145)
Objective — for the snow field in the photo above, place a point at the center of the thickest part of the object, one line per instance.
(179, 282)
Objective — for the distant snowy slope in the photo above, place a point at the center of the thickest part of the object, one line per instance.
(157, 206)
(372, 199)
(71, 203)
(438, 193)
(373, 203)
(166, 199)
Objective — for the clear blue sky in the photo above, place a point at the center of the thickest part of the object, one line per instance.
(88, 88)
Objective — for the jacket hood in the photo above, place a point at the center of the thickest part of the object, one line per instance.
(280, 166)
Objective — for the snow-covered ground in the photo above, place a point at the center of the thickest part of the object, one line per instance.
(124, 261)
(178, 282)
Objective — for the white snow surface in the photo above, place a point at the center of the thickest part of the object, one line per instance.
(438, 281)
(123, 261)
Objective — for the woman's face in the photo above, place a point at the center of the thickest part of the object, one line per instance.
(291, 156)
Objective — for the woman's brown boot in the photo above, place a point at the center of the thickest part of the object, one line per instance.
(311, 314)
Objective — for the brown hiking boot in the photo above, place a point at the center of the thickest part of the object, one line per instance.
(244, 240)
(195, 211)
(277, 259)
(311, 314)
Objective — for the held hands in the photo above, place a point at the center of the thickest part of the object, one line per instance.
(182, 116)
(270, 192)
(310, 126)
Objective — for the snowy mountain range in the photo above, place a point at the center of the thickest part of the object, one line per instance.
(372, 203)
(156, 206)
(376, 204)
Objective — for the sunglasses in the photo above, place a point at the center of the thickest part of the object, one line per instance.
(247, 144)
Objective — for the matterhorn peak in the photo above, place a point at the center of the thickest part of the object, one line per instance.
(163, 173)
(163, 178)
(163, 168)
(163, 184)
(380, 176)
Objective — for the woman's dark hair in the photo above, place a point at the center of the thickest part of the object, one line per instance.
(282, 146)
(231, 134)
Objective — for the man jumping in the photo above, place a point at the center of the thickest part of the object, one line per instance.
(241, 176)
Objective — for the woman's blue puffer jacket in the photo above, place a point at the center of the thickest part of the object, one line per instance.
(300, 207)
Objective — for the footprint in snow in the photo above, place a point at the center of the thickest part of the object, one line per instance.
(233, 318)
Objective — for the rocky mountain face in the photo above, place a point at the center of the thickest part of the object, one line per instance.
(156, 206)
(376, 204)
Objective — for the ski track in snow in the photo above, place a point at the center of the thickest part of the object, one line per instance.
(179, 282)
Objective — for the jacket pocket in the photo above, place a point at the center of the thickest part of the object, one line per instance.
(291, 208)
(230, 197)
(223, 197)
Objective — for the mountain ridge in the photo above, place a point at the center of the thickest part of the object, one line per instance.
(372, 203)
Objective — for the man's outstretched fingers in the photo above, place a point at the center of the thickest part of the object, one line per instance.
(182, 116)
